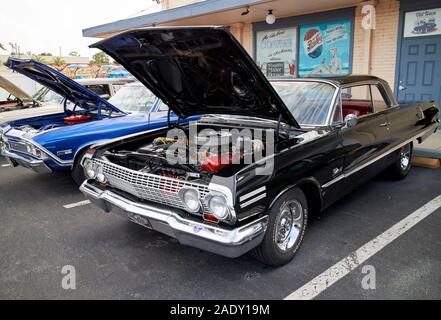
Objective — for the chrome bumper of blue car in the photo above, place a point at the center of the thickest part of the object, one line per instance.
(27, 162)
(226, 242)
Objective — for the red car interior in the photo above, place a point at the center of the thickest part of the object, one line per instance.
(77, 119)
(356, 107)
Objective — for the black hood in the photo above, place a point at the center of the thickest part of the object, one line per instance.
(197, 70)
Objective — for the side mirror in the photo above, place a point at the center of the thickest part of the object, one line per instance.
(351, 120)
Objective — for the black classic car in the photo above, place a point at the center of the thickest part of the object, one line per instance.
(289, 148)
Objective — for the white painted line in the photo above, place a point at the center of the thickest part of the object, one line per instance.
(6, 165)
(356, 258)
(76, 204)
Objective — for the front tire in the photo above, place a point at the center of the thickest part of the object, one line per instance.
(286, 227)
(400, 169)
(77, 170)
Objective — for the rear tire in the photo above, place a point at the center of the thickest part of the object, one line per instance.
(402, 165)
(287, 223)
(77, 170)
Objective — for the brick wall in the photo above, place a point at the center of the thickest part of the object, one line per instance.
(383, 41)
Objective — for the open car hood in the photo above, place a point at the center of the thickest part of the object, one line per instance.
(61, 84)
(197, 70)
(14, 90)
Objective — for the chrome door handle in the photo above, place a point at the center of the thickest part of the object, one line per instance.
(401, 86)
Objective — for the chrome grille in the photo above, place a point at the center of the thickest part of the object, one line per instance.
(149, 187)
(17, 146)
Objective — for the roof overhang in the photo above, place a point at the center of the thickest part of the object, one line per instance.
(218, 12)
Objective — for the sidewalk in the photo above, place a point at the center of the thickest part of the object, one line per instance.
(430, 148)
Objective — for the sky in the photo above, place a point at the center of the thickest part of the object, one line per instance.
(46, 25)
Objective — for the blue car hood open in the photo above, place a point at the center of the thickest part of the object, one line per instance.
(61, 84)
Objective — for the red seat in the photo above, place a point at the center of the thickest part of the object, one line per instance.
(356, 107)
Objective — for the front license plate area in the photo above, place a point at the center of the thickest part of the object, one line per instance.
(138, 219)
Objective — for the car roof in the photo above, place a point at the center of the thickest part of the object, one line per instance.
(135, 84)
(88, 81)
(351, 79)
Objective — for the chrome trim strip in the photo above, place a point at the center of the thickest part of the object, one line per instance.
(37, 166)
(252, 193)
(354, 170)
(246, 204)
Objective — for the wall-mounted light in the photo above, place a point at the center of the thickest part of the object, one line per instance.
(247, 10)
(270, 18)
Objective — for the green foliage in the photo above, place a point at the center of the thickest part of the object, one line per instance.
(2, 46)
(39, 58)
(74, 54)
(100, 59)
(58, 62)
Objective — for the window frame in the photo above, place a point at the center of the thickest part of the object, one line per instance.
(331, 111)
(381, 89)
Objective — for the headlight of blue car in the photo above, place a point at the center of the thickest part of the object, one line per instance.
(35, 151)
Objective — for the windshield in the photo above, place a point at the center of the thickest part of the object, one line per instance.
(133, 99)
(47, 95)
(309, 102)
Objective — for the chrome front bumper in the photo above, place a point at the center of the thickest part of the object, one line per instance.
(230, 243)
(17, 160)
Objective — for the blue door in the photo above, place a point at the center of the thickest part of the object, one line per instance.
(420, 70)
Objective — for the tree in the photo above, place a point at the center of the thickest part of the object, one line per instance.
(38, 58)
(100, 58)
(2, 46)
(46, 54)
(74, 54)
(58, 62)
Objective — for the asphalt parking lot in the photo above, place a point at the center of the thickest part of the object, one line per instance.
(116, 259)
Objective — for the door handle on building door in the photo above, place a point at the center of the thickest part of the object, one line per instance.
(401, 87)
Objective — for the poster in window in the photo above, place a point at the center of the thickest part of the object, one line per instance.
(276, 52)
(325, 49)
(422, 23)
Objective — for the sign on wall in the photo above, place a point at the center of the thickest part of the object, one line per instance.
(325, 49)
(422, 23)
(276, 52)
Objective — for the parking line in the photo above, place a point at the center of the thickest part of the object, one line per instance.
(6, 165)
(76, 204)
(320, 283)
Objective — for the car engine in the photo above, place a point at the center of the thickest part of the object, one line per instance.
(188, 159)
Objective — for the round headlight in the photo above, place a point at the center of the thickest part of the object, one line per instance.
(30, 148)
(89, 169)
(190, 197)
(100, 177)
(218, 206)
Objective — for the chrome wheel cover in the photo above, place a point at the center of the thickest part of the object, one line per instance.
(289, 225)
(405, 155)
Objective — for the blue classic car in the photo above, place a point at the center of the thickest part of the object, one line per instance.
(56, 142)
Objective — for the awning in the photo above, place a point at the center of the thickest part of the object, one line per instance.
(218, 12)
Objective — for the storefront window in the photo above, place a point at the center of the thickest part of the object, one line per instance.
(325, 49)
(276, 52)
